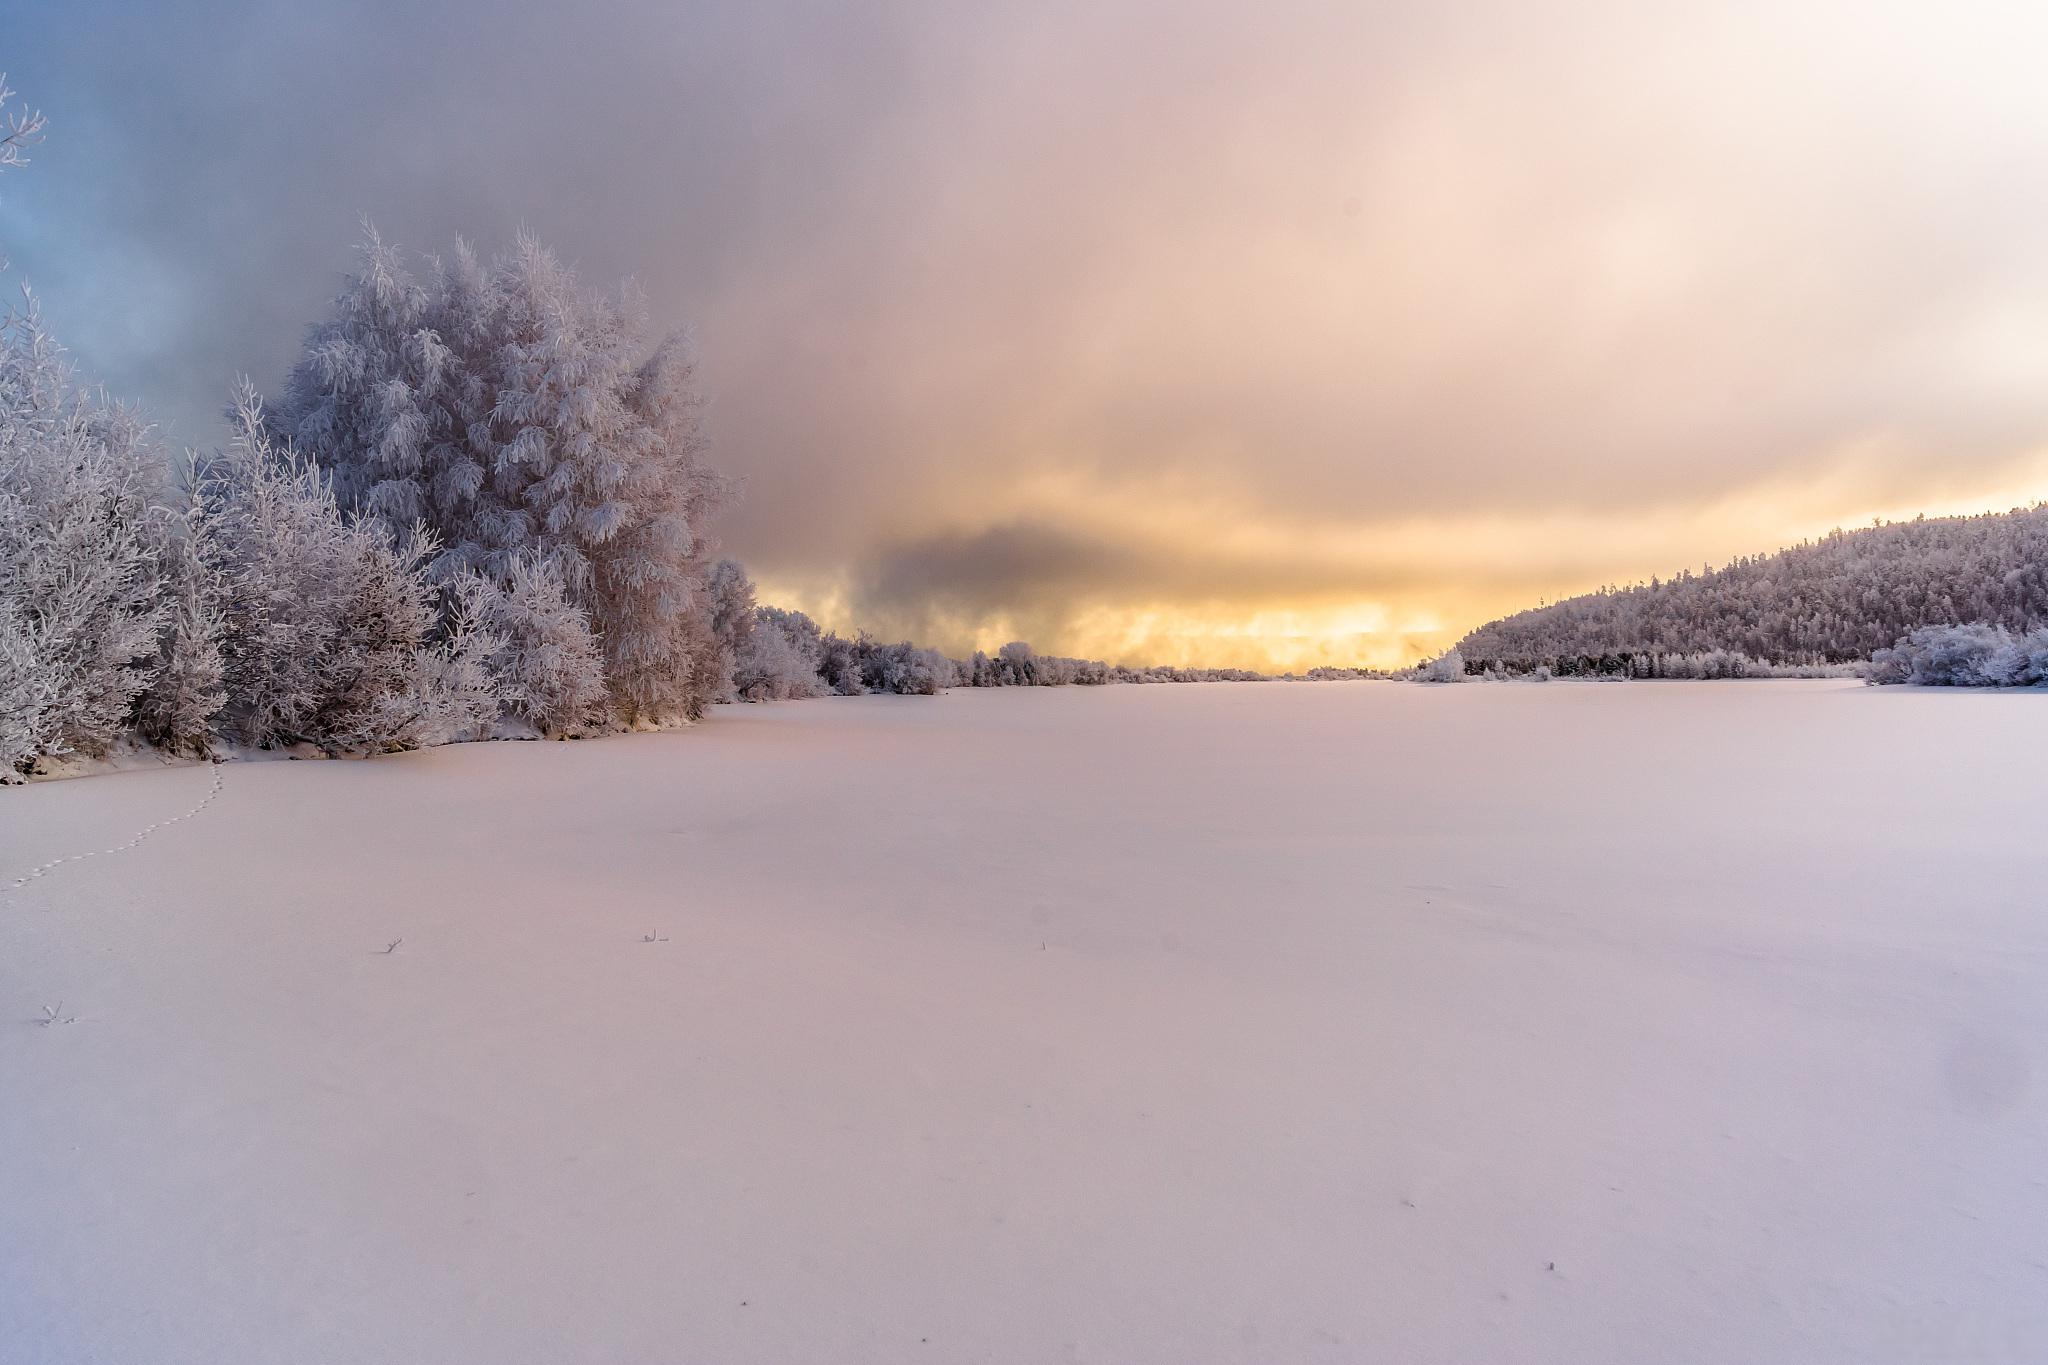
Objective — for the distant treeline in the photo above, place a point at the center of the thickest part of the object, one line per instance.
(779, 655)
(1838, 600)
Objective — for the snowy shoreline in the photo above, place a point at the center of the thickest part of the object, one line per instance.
(136, 757)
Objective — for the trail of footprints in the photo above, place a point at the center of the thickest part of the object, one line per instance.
(211, 793)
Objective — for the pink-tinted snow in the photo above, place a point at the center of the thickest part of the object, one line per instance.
(1587, 1024)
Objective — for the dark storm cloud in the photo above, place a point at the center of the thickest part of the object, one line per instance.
(984, 571)
(1043, 564)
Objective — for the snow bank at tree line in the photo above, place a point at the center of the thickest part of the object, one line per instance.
(1238, 1023)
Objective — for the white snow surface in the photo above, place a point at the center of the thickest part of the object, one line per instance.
(1687, 1022)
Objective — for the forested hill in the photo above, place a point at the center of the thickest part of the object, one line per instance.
(1831, 600)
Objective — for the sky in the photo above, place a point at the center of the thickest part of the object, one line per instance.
(1261, 335)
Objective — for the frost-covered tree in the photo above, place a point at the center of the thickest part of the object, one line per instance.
(79, 592)
(1448, 667)
(332, 623)
(518, 415)
(839, 666)
(731, 595)
(548, 667)
(190, 687)
(1015, 665)
(27, 689)
(781, 658)
(109, 607)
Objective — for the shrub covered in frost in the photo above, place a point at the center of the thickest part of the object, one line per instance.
(546, 664)
(190, 687)
(781, 657)
(731, 597)
(839, 666)
(1446, 668)
(903, 668)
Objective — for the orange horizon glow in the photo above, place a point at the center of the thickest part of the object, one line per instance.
(1306, 629)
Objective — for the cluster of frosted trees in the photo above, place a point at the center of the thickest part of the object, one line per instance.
(1704, 665)
(1832, 601)
(1169, 673)
(237, 599)
(1965, 656)
(479, 506)
(779, 654)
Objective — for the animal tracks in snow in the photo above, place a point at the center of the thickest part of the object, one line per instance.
(34, 873)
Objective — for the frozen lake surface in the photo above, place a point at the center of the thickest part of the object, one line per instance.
(1574, 1023)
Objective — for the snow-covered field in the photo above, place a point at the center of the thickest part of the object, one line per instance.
(1263, 1023)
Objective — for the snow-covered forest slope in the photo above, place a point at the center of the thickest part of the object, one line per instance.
(1347, 1023)
(1837, 599)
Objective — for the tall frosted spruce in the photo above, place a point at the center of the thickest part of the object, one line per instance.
(79, 607)
(525, 420)
(80, 604)
(190, 687)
